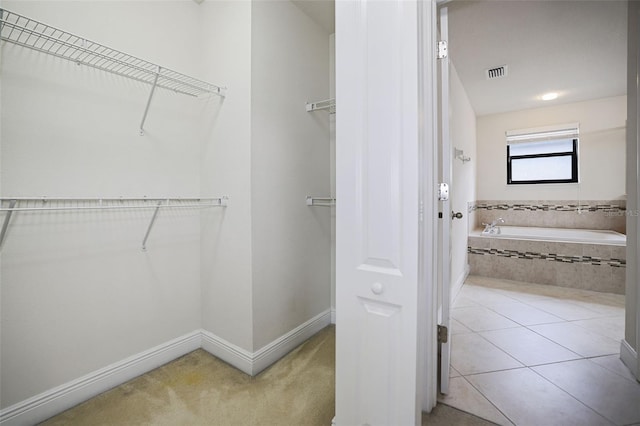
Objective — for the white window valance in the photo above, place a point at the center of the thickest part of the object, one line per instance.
(538, 134)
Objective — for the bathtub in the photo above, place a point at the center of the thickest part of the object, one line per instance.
(579, 258)
(557, 234)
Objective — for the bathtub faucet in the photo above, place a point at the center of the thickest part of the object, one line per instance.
(491, 228)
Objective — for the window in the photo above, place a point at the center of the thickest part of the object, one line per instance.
(542, 157)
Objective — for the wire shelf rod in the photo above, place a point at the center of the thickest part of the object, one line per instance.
(27, 32)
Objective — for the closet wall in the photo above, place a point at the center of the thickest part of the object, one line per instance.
(289, 160)
(78, 293)
(267, 270)
(226, 268)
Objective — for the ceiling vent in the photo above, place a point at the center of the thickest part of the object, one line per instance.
(497, 72)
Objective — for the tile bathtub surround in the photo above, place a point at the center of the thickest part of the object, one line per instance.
(583, 214)
(576, 265)
(550, 369)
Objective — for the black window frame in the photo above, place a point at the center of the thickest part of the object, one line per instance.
(574, 166)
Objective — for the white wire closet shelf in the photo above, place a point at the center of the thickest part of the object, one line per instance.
(9, 205)
(320, 201)
(27, 32)
(328, 104)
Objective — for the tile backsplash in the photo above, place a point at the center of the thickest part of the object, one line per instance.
(583, 214)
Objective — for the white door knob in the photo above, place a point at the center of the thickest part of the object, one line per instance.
(377, 288)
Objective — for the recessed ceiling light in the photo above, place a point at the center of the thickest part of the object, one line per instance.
(549, 96)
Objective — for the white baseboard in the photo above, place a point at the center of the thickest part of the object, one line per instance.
(629, 357)
(228, 352)
(275, 350)
(58, 399)
(333, 315)
(456, 286)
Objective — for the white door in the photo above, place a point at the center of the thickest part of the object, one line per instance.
(379, 378)
(446, 177)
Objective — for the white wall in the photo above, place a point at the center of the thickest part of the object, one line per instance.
(601, 151)
(463, 136)
(227, 309)
(289, 160)
(77, 291)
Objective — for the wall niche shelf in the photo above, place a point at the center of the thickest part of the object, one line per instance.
(27, 32)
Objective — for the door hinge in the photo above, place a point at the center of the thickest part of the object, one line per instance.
(443, 334)
(442, 49)
(443, 192)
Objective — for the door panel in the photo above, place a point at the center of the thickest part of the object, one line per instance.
(377, 175)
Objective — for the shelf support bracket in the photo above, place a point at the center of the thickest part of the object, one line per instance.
(153, 219)
(7, 218)
(146, 109)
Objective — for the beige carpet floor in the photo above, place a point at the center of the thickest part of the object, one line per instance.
(199, 389)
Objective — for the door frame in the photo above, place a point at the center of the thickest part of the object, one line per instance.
(428, 288)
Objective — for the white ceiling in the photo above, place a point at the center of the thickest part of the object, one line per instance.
(575, 48)
(321, 11)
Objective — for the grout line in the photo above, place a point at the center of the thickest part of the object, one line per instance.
(568, 393)
(490, 401)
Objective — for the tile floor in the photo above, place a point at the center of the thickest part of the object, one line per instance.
(529, 354)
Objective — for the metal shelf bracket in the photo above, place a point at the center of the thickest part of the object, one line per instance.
(153, 219)
(320, 201)
(146, 109)
(328, 104)
(7, 218)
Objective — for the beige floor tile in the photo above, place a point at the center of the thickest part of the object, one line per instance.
(471, 354)
(481, 319)
(611, 327)
(614, 363)
(528, 399)
(528, 347)
(578, 339)
(484, 296)
(465, 397)
(458, 328)
(565, 310)
(602, 308)
(617, 300)
(612, 396)
(463, 302)
(444, 415)
(525, 314)
(453, 372)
